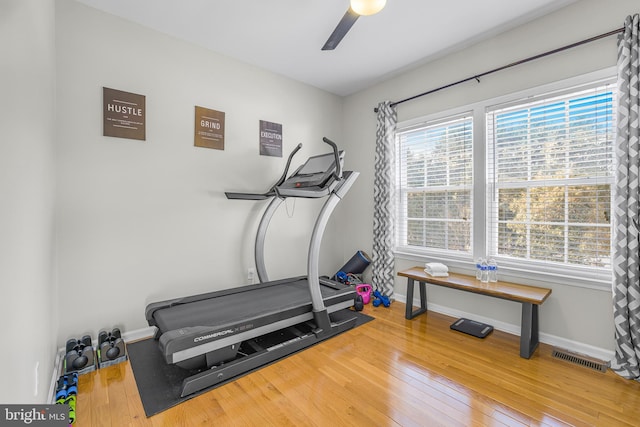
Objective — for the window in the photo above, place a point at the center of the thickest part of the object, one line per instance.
(526, 179)
(435, 185)
(550, 167)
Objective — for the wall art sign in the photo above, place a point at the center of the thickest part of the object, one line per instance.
(270, 139)
(209, 128)
(124, 114)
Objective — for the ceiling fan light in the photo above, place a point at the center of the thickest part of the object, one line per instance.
(367, 7)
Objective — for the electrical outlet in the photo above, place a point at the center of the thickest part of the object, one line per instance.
(251, 274)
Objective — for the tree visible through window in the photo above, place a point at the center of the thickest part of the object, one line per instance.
(550, 168)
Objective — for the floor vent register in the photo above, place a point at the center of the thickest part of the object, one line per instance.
(580, 359)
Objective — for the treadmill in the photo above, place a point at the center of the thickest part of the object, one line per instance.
(220, 335)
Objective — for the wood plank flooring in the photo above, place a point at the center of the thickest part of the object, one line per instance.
(388, 372)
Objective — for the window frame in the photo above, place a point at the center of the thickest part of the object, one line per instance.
(511, 268)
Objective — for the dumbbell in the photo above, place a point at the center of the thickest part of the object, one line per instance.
(72, 395)
(61, 391)
(380, 299)
(67, 392)
(71, 401)
(67, 385)
(111, 345)
(79, 354)
(342, 277)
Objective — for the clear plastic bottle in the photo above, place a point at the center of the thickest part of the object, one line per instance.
(493, 270)
(478, 268)
(484, 272)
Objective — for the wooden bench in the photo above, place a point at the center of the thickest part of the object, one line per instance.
(529, 296)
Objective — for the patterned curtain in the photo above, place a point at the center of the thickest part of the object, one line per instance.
(626, 261)
(383, 199)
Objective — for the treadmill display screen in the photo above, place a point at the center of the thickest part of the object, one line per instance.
(318, 164)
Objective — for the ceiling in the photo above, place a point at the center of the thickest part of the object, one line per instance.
(286, 36)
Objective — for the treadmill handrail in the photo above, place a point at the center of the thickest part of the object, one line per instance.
(272, 190)
(336, 153)
(286, 168)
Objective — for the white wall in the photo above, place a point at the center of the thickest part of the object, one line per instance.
(573, 315)
(26, 205)
(141, 221)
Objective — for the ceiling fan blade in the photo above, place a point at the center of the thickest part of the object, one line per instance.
(342, 28)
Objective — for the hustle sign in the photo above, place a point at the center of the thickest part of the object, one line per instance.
(209, 128)
(123, 114)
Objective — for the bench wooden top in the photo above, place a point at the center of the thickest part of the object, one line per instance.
(500, 289)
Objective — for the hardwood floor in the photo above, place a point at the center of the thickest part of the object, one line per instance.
(388, 372)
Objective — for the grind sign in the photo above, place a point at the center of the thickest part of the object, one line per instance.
(209, 128)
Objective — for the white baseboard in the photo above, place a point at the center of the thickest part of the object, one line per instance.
(57, 368)
(566, 344)
(139, 334)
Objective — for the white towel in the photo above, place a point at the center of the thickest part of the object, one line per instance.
(436, 269)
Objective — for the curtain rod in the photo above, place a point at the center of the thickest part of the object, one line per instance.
(504, 67)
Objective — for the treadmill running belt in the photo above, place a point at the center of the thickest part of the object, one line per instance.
(235, 307)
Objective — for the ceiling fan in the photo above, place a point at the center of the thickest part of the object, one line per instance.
(356, 9)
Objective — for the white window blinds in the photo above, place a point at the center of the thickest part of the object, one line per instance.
(550, 172)
(435, 183)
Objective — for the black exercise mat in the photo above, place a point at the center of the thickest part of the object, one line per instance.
(159, 384)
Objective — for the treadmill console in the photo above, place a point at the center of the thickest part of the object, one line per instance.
(313, 178)
(317, 177)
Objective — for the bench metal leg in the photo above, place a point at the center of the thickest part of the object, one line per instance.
(529, 333)
(410, 313)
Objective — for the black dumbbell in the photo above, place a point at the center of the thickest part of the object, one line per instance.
(111, 344)
(79, 353)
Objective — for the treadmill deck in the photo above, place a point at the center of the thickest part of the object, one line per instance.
(252, 301)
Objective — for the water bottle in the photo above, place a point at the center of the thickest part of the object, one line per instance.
(493, 270)
(478, 268)
(484, 272)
